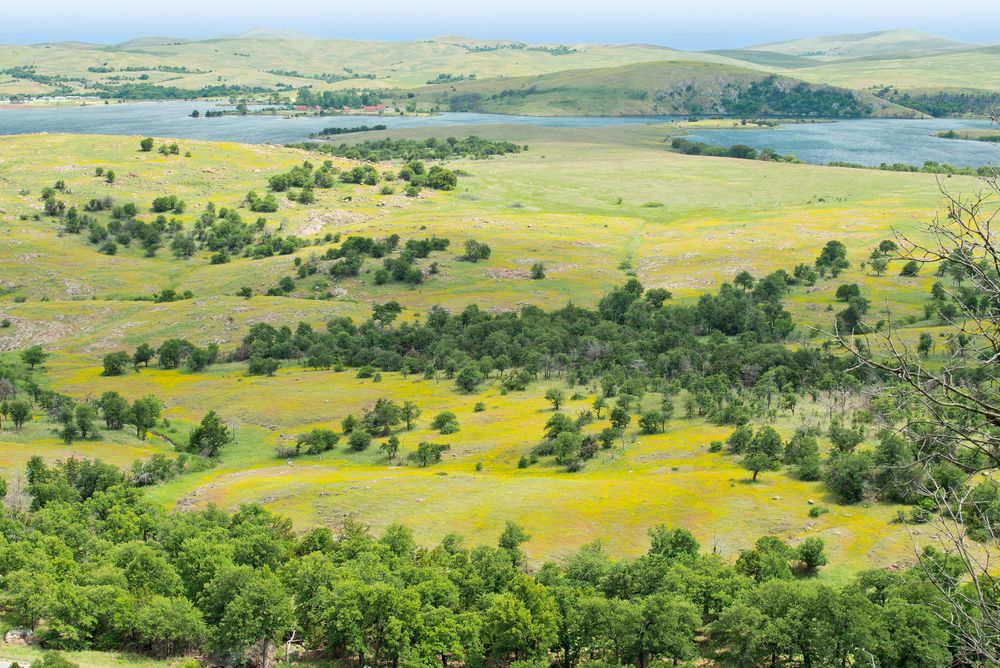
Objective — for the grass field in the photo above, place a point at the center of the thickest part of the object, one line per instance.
(974, 68)
(592, 205)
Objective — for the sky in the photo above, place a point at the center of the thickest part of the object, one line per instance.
(692, 24)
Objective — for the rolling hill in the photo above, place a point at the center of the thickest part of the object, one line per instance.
(881, 44)
(661, 88)
(265, 62)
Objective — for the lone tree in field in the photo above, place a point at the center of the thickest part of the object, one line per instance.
(763, 452)
(410, 412)
(210, 436)
(34, 356)
(555, 396)
(146, 145)
(832, 259)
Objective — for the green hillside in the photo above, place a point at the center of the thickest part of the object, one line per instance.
(661, 88)
(972, 68)
(288, 62)
(767, 59)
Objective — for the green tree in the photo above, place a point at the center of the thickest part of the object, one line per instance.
(410, 412)
(925, 345)
(84, 417)
(511, 539)
(170, 626)
(811, 555)
(879, 264)
(848, 475)
(258, 613)
(736, 635)
(745, 281)
(34, 356)
(143, 354)
(620, 418)
(385, 314)
(599, 405)
(665, 626)
(832, 259)
(19, 411)
(763, 452)
(114, 409)
(652, 422)
(429, 453)
(555, 396)
(469, 378)
(146, 145)
(390, 448)
(115, 364)
(672, 543)
(143, 415)
(209, 437)
(359, 440)
(53, 660)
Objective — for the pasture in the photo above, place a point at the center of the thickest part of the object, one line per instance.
(595, 207)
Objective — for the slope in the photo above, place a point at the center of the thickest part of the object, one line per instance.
(881, 44)
(652, 89)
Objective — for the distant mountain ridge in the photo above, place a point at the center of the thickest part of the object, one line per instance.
(882, 43)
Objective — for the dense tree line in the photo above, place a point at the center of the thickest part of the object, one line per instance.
(152, 91)
(773, 97)
(336, 99)
(929, 167)
(631, 325)
(326, 132)
(328, 77)
(943, 103)
(102, 567)
(741, 151)
(381, 150)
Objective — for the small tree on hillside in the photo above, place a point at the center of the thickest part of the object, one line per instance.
(763, 453)
(143, 415)
(34, 356)
(210, 436)
(555, 396)
(410, 412)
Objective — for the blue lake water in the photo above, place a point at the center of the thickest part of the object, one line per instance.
(863, 141)
(172, 119)
(867, 141)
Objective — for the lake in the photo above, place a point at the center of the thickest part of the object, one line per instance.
(863, 141)
(172, 119)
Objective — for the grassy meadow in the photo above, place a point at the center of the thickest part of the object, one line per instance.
(594, 206)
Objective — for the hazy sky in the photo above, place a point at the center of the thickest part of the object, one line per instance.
(692, 24)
